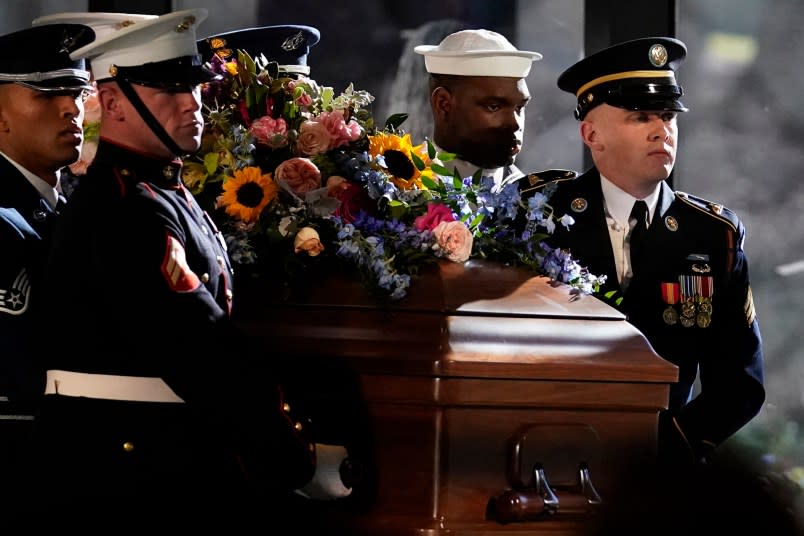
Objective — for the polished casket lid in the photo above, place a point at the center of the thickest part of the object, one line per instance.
(476, 319)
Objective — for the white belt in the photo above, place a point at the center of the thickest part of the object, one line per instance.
(109, 387)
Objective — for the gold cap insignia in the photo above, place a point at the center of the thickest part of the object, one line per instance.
(657, 55)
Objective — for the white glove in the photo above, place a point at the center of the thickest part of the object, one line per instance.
(326, 483)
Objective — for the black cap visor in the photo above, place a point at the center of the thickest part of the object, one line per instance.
(633, 95)
(182, 72)
(67, 79)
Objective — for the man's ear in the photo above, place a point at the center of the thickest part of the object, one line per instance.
(590, 135)
(441, 101)
(111, 102)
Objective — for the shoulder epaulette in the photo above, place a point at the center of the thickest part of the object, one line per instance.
(716, 210)
(540, 179)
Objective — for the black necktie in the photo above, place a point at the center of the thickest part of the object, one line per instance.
(640, 214)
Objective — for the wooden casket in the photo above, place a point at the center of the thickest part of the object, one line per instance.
(482, 380)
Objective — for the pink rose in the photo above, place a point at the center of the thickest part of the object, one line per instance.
(300, 174)
(454, 239)
(304, 100)
(269, 131)
(313, 139)
(436, 213)
(340, 131)
(307, 240)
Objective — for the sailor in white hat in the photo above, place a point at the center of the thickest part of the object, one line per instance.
(478, 96)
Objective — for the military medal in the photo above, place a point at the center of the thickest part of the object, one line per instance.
(670, 295)
(687, 301)
(704, 317)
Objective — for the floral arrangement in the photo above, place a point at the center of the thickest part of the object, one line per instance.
(301, 180)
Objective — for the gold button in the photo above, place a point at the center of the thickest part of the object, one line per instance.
(125, 172)
(298, 426)
(128, 446)
(205, 278)
(311, 446)
(286, 407)
(229, 294)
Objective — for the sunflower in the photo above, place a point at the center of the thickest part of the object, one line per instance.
(247, 193)
(398, 160)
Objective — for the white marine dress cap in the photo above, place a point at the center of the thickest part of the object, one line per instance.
(151, 42)
(103, 24)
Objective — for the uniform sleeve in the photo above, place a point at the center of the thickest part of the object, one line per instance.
(17, 324)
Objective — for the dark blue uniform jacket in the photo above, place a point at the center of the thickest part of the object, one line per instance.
(688, 237)
(26, 222)
(141, 283)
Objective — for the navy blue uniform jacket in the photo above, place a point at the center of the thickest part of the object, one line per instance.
(26, 223)
(728, 351)
(141, 285)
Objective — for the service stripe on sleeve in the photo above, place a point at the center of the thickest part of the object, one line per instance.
(175, 269)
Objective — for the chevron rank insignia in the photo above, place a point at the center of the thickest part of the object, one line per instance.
(14, 299)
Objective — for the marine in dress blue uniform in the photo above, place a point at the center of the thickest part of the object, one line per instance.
(172, 414)
(690, 292)
(37, 59)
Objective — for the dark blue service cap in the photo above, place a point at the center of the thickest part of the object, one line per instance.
(39, 57)
(634, 75)
(288, 45)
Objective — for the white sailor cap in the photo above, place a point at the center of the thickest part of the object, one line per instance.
(477, 53)
(153, 51)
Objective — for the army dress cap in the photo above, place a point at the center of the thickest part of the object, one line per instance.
(39, 58)
(288, 45)
(155, 52)
(477, 53)
(102, 23)
(634, 75)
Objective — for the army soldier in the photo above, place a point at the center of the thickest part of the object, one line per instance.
(42, 93)
(675, 263)
(172, 416)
